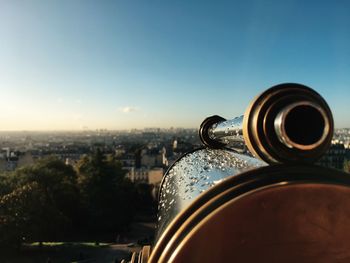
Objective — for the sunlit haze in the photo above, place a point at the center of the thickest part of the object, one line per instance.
(73, 65)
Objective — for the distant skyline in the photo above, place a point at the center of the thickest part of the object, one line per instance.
(66, 65)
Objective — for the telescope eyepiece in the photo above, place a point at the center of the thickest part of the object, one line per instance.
(287, 123)
(303, 125)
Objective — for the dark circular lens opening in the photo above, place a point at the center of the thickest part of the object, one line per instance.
(304, 125)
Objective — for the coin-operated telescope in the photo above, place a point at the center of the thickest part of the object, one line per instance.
(217, 204)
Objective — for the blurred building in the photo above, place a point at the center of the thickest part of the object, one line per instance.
(335, 157)
(151, 176)
(25, 159)
(154, 157)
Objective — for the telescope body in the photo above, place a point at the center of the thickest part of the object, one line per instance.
(267, 204)
(279, 213)
(193, 174)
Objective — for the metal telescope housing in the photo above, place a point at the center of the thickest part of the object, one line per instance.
(286, 123)
(271, 204)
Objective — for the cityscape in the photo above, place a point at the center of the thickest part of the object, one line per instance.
(123, 221)
(107, 153)
(140, 151)
(144, 153)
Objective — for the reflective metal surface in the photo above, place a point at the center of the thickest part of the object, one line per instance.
(313, 130)
(284, 213)
(193, 174)
(290, 126)
(288, 123)
(228, 131)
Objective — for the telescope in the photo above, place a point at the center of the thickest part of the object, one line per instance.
(253, 192)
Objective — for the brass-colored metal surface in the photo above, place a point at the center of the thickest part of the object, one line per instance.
(294, 223)
(133, 258)
(259, 124)
(282, 133)
(146, 251)
(287, 123)
(323, 182)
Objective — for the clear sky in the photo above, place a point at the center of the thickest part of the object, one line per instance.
(69, 64)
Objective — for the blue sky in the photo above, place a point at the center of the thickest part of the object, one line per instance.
(71, 64)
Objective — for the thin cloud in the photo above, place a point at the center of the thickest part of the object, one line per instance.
(128, 109)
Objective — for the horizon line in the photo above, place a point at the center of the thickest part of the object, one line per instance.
(98, 129)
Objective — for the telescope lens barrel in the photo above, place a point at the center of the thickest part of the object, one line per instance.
(228, 131)
(287, 123)
(302, 125)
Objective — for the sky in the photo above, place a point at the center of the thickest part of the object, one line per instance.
(72, 65)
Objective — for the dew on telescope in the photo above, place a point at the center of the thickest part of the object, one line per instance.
(195, 173)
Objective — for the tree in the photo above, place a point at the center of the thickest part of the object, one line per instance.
(107, 195)
(347, 166)
(40, 202)
(7, 183)
(58, 182)
(145, 201)
(26, 214)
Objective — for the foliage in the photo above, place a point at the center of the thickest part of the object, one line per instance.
(58, 183)
(145, 201)
(27, 215)
(51, 200)
(107, 195)
(43, 203)
(7, 183)
(347, 166)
